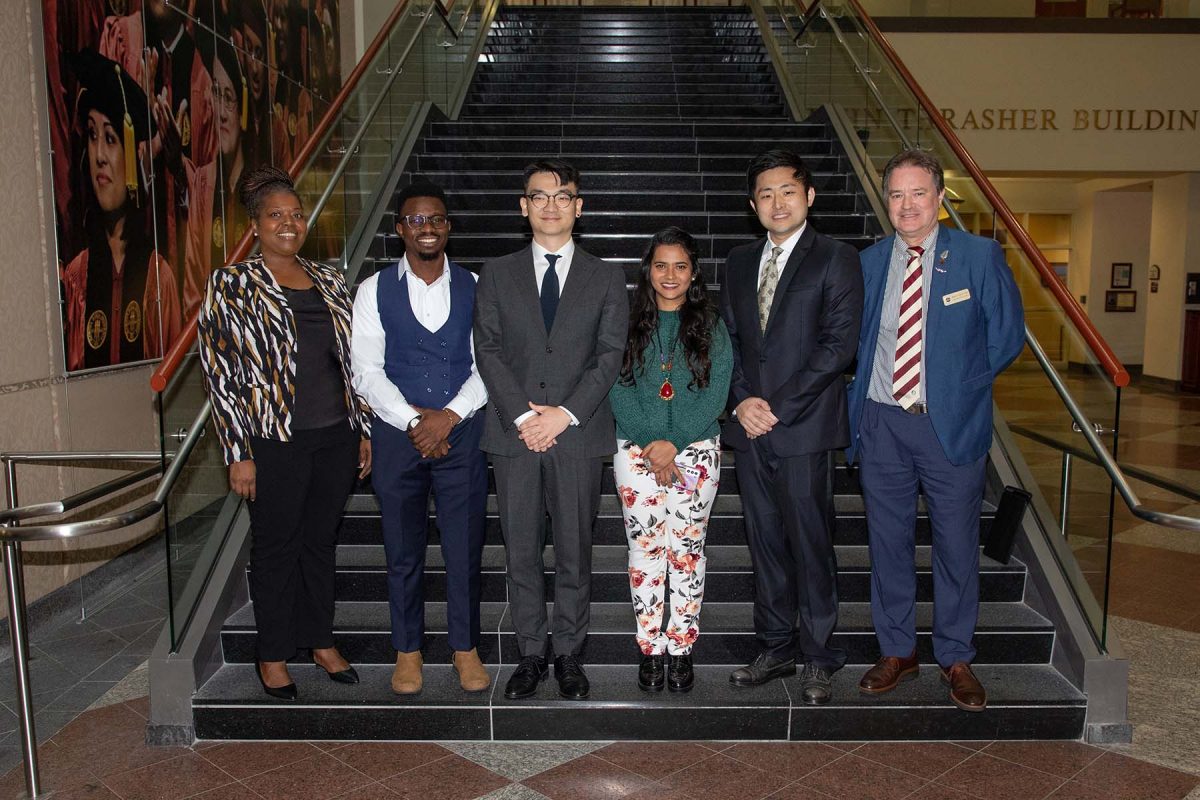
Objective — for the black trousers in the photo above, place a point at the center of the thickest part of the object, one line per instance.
(301, 491)
(788, 505)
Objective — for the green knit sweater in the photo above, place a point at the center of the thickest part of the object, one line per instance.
(691, 415)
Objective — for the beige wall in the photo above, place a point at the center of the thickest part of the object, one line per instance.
(1175, 248)
(1055, 78)
(1120, 232)
(39, 408)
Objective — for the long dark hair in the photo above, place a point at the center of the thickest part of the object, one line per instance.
(696, 315)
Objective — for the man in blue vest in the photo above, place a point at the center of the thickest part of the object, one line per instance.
(414, 363)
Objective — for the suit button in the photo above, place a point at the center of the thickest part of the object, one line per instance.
(549, 349)
(762, 359)
(542, 385)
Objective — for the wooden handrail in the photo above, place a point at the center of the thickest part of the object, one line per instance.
(187, 336)
(1075, 313)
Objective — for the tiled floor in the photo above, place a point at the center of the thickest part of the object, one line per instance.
(99, 753)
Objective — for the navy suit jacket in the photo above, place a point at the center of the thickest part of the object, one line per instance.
(967, 343)
(811, 335)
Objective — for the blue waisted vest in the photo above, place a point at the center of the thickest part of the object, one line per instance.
(428, 368)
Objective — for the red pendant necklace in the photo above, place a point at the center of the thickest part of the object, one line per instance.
(666, 361)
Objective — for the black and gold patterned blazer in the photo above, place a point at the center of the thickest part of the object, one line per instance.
(247, 343)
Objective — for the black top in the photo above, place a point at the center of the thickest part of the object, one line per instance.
(320, 388)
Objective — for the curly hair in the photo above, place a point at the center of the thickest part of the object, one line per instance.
(697, 315)
(254, 187)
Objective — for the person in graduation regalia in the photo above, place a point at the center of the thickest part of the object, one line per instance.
(122, 304)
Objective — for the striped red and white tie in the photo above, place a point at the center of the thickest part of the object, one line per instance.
(907, 373)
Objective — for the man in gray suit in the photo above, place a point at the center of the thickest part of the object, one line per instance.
(550, 326)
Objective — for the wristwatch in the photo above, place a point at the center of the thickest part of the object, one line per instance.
(413, 422)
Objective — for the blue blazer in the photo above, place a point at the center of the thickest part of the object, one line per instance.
(967, 343)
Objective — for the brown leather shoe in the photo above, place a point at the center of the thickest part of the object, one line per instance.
(887, 674)
(966, 691)
(406, 678)
(472, 675)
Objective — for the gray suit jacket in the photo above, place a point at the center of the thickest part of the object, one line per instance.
(573, 366)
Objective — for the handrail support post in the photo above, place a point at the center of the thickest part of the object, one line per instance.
(14, 584)
(1064, 502)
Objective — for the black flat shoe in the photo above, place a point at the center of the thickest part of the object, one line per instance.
(651, 675)
(348, 675)
(278, 692)
(816, 685)
(680, 676)
(525, 679)
(572, 683)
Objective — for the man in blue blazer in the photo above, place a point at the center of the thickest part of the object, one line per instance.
(942, 318)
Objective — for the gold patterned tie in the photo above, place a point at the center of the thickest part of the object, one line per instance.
(766, 289)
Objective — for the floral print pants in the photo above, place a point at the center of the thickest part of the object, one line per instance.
(665, 527)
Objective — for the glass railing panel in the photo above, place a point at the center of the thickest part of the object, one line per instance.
(194, 503)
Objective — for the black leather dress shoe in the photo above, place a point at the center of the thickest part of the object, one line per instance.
(680, 676)
(816, 685)
(525, 679)
(347, 675)
(572, 683)
(651, 674)
(762, 669)
(288, 692)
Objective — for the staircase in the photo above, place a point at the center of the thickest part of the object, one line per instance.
(661, 110)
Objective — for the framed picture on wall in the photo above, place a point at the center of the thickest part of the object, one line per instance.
(1122, 275)
(1192, 293)
(1155, 273)
(1120, 301)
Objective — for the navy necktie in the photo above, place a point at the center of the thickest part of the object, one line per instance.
(550, 292)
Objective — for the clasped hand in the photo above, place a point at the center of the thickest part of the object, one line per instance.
(431, 434)
(755, 416)
(540, 432)
(659, 457)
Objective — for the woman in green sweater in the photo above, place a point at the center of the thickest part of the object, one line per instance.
(673, 385)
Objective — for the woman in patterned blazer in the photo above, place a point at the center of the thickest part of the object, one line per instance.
(275, 348)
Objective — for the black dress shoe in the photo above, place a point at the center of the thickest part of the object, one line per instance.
(762, 669)
(525, 679)
(572, 683)
(278, 692)
(816, 685)
(680, 676)
(651, 675)
(347, 675)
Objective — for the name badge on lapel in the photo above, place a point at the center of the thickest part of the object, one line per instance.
(956, 297)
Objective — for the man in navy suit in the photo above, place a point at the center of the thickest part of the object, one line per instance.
(942, 318)
(792, 302)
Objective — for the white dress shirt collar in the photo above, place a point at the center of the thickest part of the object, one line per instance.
(566, 251)
(789, 244)
(405, 267)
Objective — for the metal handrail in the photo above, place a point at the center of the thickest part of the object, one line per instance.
(12, 534)
(1070, 306)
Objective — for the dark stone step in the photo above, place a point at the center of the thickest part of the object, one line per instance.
(743, 224)
(1008, 633)
(362, 576)
(541, 147)
(600, 162)
(633, 182)
(1025, 702)
(618, 129)
(465, 202)
(848, 529)
(583, 111)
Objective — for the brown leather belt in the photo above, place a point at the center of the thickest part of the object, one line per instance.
(917, 409)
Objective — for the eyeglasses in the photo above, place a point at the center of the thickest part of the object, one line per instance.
(419, 220)
(561, 199)
(225, 98)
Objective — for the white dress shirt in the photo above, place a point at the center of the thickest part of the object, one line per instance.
(561, 268)
(431, 306)
(788, 246)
